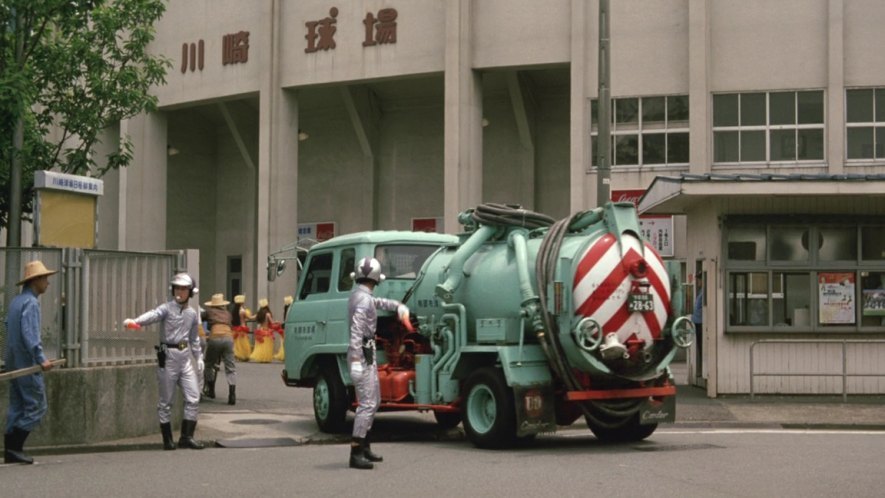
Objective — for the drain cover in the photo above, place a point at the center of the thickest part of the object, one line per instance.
(256, 442)
(255, 421)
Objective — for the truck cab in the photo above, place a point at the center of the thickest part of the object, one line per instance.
(317, 332)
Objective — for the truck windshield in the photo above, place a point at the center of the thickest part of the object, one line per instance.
(402, 261)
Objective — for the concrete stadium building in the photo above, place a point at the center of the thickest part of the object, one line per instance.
(749, 128)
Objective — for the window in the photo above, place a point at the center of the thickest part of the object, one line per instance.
(865, 123)
(316, 278)
(403, 261)
(823, 275)
(768, 127)
(646, 131)
(348, 261)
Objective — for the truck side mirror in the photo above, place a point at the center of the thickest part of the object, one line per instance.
(275, 268)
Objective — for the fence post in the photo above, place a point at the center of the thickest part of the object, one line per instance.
(752, 346)
(844, 374)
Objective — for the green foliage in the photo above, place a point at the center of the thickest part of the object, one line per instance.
(71, 69)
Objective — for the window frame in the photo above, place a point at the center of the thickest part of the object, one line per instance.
(813, 267)
(874, 125)
(767, 128)
(639, 129)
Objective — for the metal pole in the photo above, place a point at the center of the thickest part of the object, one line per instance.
(603, 142)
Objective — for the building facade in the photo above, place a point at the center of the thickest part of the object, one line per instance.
(281, 118)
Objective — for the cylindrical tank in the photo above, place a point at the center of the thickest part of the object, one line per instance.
(604, 272)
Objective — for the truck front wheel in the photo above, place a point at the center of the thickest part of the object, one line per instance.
(330, 401)
(489, 414)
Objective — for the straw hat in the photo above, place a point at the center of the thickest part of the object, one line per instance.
(239, 299)
(217, 300)
(262, 303)
(35, 269)
(288, 300)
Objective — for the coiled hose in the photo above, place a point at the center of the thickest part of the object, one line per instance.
(545, 268)
(492, 213)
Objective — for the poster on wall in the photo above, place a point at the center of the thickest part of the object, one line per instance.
(432, 225)
(316, 231)
(874, 302)
(836, 298)
(656, 229)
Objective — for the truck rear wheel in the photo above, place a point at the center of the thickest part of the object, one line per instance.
(330, 401)
(489, 414)
(630, 432)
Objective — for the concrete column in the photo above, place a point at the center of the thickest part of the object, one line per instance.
(582, 184)
(462, 156)
(276, 190)
(699, 98)
(143, 211)
(835, 118)
(283, 196)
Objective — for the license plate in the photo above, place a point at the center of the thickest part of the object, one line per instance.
(640, 302)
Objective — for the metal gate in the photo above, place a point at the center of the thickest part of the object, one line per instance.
(83, 310)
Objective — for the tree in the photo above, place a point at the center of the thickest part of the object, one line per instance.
(69, 69)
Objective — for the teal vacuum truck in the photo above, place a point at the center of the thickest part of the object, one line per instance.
(521, 323)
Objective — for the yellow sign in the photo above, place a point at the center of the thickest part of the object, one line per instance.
(67, 209)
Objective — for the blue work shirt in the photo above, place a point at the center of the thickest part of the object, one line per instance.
(23, 345)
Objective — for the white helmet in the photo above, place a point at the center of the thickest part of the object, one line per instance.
(184, 280)
(367, 269)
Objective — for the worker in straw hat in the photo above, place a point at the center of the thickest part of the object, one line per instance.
(220, 347)
(24, 348)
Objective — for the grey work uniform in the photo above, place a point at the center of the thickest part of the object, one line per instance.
(363, 320)
(179, 334)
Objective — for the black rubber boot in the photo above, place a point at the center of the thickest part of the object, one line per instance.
(357, 458)
(209, 389)
(367, 450)
(168, 441)
(14, 443)
(187, 435)
(231, 395)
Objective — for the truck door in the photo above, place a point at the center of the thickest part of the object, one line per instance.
(338, 328)
(307, 316)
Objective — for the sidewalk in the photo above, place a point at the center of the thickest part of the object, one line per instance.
(257, 426)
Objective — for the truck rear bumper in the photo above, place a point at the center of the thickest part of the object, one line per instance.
(639, 392)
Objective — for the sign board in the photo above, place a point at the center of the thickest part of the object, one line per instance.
(432, 225)
(836, 298)
(66, 211)
(656, 229)
(317, 231)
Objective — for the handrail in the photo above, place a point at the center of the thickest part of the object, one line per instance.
(844, 373)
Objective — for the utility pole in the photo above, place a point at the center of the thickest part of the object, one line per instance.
(603, 141)
(13, 225)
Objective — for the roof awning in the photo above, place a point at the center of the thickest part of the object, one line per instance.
(678, 195)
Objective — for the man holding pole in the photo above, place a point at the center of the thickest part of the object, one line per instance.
(27, 394)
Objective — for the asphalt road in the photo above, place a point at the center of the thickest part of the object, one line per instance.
(699, 462)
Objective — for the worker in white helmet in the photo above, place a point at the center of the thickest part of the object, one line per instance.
(179, 359)
(361, 355)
